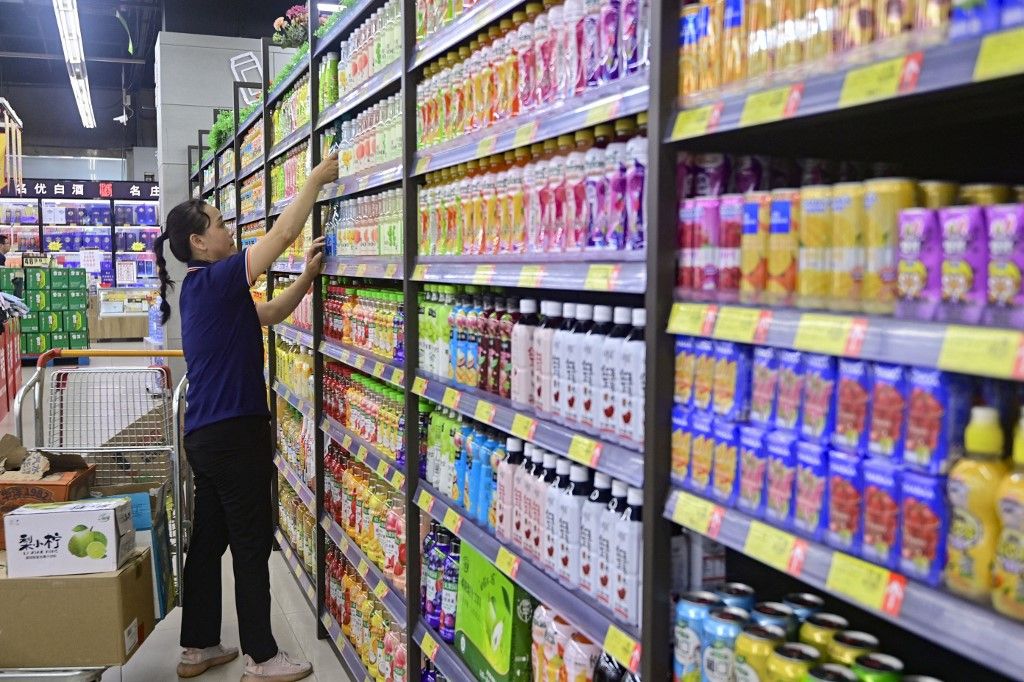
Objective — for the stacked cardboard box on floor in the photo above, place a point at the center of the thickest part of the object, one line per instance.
(58, 299)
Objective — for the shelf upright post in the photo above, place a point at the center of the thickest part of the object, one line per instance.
(660, 210)
(412, 333)
(191, 182)
(202, 148)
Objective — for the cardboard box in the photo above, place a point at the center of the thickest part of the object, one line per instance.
(59, 340)
(57, 487)
(50, 321)
(78, 340)
(69, 538)
(77, 278)
(37, 278)
(59, 299)
(93, 620)
(37, 300)
(75, 321)
(7, 277)
(34, 344)
(30, 324)
(78, 299)
(58, 278)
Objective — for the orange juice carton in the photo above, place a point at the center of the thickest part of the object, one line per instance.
(731, 391)
(753, 470)
(725, 477)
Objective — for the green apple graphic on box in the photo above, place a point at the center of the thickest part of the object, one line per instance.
(86, 542)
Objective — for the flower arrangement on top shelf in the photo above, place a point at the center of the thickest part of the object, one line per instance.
(292, 29)
(370, 47)
(581, 192)
(370, 225)
(813, 234)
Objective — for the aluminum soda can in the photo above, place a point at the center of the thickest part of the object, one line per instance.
(791, 661)
(876, 667)
(774, 613)
(819, 629)
(691, 611)
(739, 595)
(803, 604)
(847, 645)
(718, 657)
(753, 647)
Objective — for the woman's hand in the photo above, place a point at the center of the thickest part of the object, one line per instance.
(314, 258)
(326, 171)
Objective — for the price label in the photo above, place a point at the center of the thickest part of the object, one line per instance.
(380, 590)
(398, 480)
(525, 134)
(422, 164)
(698, 121)
(363, 183)
(419, 272)
(398, 377)
(507, 562)
(831, 334)
(296, 570)
(602, 111)
(484, 412)
(692, 319)
(774, 547)
(378, 370)
(425, 501)
(452, 521)
(419, 386)
(346, 442)
(771, 105)
(485, 147)
(986, 352)
(881, 80)
(429, 647)
(451, 398)
(310, 592)
(872, 586)
(382, 469)
(531, 276)
(361, 453)
(697, 514)
(326, 620)
(390, 269)
(523, 427)
(601, 276)
(360, 361)
(623, 648)
(363, 567)
(483, 274)
(1001, 54)
(584, 450)
(745, 325)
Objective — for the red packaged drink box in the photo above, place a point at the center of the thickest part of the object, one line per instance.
(810, 517)
(684, 373)
(1005, 265)
(818, 414)
(687, 244)
(853, 403)
(702, 451)
(938, 409)
(881, 512)
(682, 440)
(964, 264)
(919, 272)
(889, 397)
(725, 472)
(789, 395)
(764, 385)
(781, 478)
(731, 385)
(845, 490)
(730, 236)
(924, 527)
(703, 373)
(753, 470)
(707, 233)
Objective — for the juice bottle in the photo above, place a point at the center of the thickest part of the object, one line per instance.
(527, 56)
(636, 185)
(571, 68)
(1008, 570)
(597, 188)
(472, 73)
(510, 68)
(483, 80)
(544, 51)
(493, 59)
(557, 188)
(589, 33)
(974, 527)
(538, 200)
(616, 160)
(543, 338)
(576, 192)
(608, 41)
(515, 202)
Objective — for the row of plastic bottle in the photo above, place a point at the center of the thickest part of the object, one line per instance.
(540, 56)
(297, 524)
(252, 194)
(578, 192)
(577, 525)
(371, 409)
(372, 320)
(295, 368)
(370, 47)
(373, 137)
(289, 174)
(369, 225)
(292, 111)
(252, 144)
(296, 441)
(302, 316)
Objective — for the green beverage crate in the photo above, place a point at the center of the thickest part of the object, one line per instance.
(58, 278)
(59, 299)
(7, 277)
(34, 344)
(75, 321)
(77, 279)
(37, 278)
(37, 300)
(30, 323)
(51, 321)
(77, 300)
(59, 340)
(78, 340)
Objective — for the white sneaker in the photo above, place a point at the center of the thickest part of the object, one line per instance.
(281, 668)
(197, 661)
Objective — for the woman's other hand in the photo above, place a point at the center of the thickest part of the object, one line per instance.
(326, 171)
(315, 258)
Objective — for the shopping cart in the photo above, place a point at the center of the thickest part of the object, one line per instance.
(125, 420)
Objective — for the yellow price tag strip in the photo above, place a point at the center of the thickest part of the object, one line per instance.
(390, 269)
(507, 562)
(429, 646)
(695, 122)
(531, 276)
(452, 521)
(451, 398)
(740, 324)
(697, 514)
(604, 111)
(397, 480)
(398, 377)
(378, 370)
(360, 361)
(484, 412)
(881, 80)
(692, 319)
(360, 269)
(525, 133)
(422, 164)
(779, 549)
(425, 501)
(523, 427)
(483, 274)
(363, 567)
(986, 352)
(872, 586)
(346, 442)
(601, 276)
(485, 147)
(831, 334)
(380, 589)
(623, 648)
(419, 386)
(771, 105)
(383, 468)
(361, 453)
(419, 272)
(1001, 54)
(584, 450)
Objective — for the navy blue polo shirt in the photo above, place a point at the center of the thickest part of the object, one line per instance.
(223, 343)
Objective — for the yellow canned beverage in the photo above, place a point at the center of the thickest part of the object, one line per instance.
(893, 18)
(709, 45)
(938, 193)
(791, 661)
(847, 246)
(819, 628)
(760, 38)
(983, 194)
(820, 25)
(856, 23)
(789, 34)
(815, 239)
(884, 198)
(757, 213)
(753, 647)
(688, 40)
(847, 645)
(783, 246)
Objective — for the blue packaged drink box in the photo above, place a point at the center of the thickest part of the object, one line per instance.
(702, 451)
(818, 414)
(781, 477)
(810, 517)
(682, 442)
(725, 472)
(764, 386)
(888, 411)
(753, 470)
(853, 406)
(845, 500)
(731, 387)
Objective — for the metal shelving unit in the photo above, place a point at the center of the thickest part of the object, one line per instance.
(365, 452)
(298, 571)
(302, 491)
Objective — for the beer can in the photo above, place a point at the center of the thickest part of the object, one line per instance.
(774, 613)
(847, 246)
(820, 25)
(734, 41)
(739, 595)
(830, 672)
(789, 46)
(815, 239)
(753, 647)
(754, 246)
(688, 29)
(847, 645)
(691, 610)
(876, 667)
(791, 661)
(819, 628)
(760, 38)
(930, 15)
(938, 193)
(783, 246)
(730, 242)
(804, 604)
(884, 198)
(718, 657)
(984, 194)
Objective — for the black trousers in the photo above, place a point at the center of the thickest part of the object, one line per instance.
(232, 462)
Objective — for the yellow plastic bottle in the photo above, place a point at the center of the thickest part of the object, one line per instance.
(1008, 568)
(974, 528)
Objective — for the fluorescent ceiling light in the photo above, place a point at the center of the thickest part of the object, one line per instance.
(70, 31)
(328, 6)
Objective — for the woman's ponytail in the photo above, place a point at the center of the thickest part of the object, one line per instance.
(165, 281)
(183, 221)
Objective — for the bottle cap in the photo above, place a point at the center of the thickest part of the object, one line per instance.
(538, 456)
(513, 444)
(618, 489)
(332, 55)
(569, 310)
(583, 136)
(603, 130)
(584, 312)
(602, 480)
(983, 434)
(527, 306)
(579, 473)
(623, 315)
(635, 497)
(562, 466)
(641, 118)
(549, 460)
(602, 313)
(639, 317)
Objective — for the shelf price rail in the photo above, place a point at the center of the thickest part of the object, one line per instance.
(297, 569)
(365, 453)
(302, 491)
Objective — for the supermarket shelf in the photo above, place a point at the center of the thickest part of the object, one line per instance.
(442, 655)
(289, 266)
(466, 23)
(621, 98)
(614, 460)
(591, 271)
(223, 147)
(362, 92)
(227, 179)
(209, 187)
(228, 215)
(294, 334)
(363, 452)
(981, 351)
(278, 208)
(373, 576)
(252, 217)
(303, 492)
(297, 136)
(594, 622)
(295, 401)
(888, 76)
(285, 85)
(374, 267)
(344, 650)
(306, 584)
(382, 174)
(245, 123)
(345, 23)
(250, 168)
(364, 361)
(931, 613)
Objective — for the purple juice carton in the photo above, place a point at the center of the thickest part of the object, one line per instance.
(725, 472)
(731, 387)
(702, 451)
(819, 406)
(938, 408)
(753, 470)
(1005, 265)
(764, 385)
(750, 174)
(810, 516)
(790, 391)
(919, 279)
(845, 500)
(853, 406)
(889, 396)
(781, 478)
(880, 522)
(682, 442)
(924, 525)
(964, 264)
(711, 174)
(685, 361)
(703, 373)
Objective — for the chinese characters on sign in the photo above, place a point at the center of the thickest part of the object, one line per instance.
(84, 189)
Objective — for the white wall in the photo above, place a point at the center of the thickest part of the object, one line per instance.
(74, 168)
